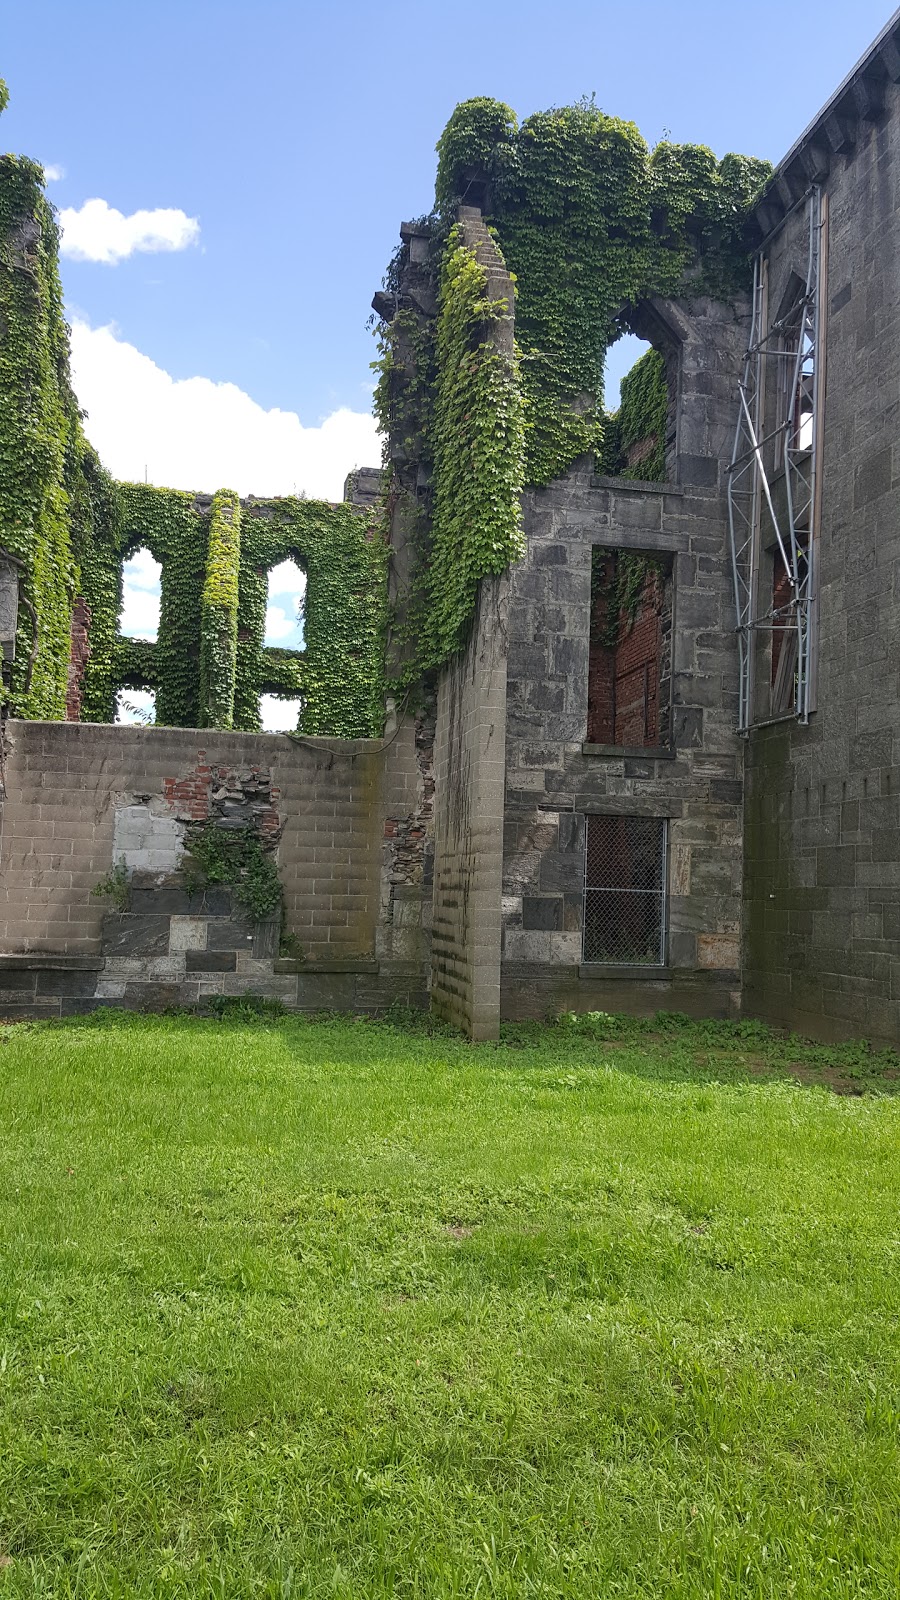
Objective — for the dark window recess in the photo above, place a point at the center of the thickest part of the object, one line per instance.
(785, 637)
(625, 891)
(629, 678)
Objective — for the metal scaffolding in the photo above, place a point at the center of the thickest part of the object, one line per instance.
(782, 372)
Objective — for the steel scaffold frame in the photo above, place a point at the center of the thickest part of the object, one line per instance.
(792, 341)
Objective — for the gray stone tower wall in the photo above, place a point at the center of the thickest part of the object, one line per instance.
(555, 780)
(469, 771)
(822, 887)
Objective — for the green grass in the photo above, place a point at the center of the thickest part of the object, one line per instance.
(344, 1309)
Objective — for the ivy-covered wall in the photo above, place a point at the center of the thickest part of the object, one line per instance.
(589, 222)
(56, 502)
(209, 664)
(68, 527)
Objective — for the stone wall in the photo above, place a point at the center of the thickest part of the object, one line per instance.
(822, 888)
(555, 776)
(468, 831)
(83, 799)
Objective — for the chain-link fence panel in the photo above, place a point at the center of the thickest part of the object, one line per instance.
(625, 891)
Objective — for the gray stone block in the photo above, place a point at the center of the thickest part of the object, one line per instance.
(130, 934)
(210, 961)
(542, 914)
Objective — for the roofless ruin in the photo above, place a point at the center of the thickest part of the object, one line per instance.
(599, 710)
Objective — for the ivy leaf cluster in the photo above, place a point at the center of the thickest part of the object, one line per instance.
(236, 857)
(590, 221)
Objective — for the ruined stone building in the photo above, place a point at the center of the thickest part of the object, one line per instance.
(635, 743)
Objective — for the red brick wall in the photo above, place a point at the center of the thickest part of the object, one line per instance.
(623, 684)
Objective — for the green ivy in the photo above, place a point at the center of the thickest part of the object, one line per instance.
(218, 626)
(622, 582)
(38, 421)
(590, 221)
(236, 857)
(478, 452)
(70, 527)
(642, 419)
(339, 674)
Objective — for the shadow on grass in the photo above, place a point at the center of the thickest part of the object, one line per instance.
(672, 1047)
(668, 1047)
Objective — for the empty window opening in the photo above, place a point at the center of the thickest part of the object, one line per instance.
(137, 707)
(141, 581)
(621, 359)
(797, 378)
(279, 715)
(625, 891)
(629, 679)
(785, 660)
(637, 432)
(284, 606)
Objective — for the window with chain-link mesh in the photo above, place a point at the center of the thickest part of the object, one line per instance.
(625, 891)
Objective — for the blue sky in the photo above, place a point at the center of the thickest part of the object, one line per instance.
(300, 136)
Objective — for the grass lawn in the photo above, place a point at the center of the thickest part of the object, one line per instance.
(340, 1309)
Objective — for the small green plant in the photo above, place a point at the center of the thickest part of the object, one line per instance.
(115, 885)
(245, 1007)
(236, 857)
(290, 947)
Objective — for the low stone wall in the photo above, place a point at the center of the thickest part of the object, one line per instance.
(531, 992)
(82, 801)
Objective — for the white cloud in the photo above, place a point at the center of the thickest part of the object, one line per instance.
(287, 579)
(278, 716)
(98, 232)
(280, 625)
(140, 596)
(140, 614)
(191, 433)
(53, 172)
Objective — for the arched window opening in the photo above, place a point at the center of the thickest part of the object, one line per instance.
(284, 606)
(279, 715)
(136, 707)
(620, 358)
(638, 410)
(141, 580)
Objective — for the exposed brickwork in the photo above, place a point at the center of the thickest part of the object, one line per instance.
(80, 650)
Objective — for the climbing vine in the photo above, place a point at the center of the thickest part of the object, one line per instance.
(38, 424)
(237, 857)
(619, 580)
(478, 451)
(218, 623)
(591, 221)
(634, 445)
(339, 675)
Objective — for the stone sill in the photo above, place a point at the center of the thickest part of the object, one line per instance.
(630, 752)
(634, 485)
(627, 974)
(596, 972)
(45, 961)
(312, 969)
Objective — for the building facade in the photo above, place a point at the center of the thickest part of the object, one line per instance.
(663, 772)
